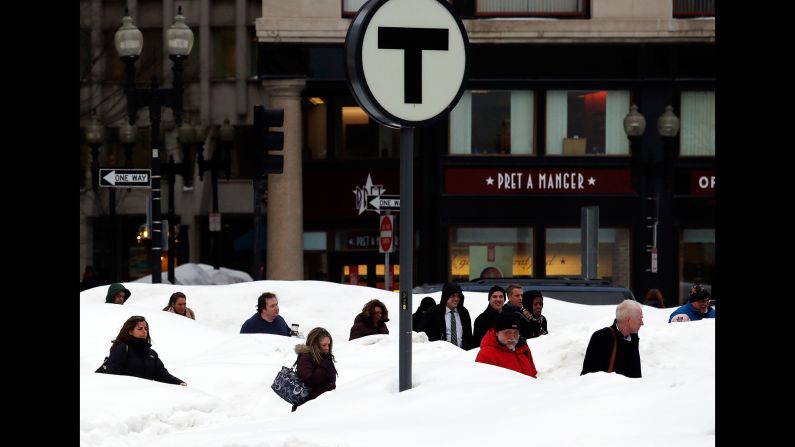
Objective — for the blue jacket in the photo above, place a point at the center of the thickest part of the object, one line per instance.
(691, 313)
(256, 325)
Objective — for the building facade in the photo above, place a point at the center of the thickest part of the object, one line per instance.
(499, 184)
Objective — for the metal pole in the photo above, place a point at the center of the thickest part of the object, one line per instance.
(171, 218)
(406, 253)
(215, 236)
(157, 237)
(387, 283)
(259, 186)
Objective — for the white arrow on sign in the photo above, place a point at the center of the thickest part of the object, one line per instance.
(111, 177)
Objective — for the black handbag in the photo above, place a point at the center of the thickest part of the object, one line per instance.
(289, 386)
(103, 368)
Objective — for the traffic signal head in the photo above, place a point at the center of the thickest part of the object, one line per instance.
(268, 140)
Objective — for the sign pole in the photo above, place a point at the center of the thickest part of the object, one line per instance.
(406, 254)
(387, 272)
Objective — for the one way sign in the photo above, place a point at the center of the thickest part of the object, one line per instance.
(125, 178)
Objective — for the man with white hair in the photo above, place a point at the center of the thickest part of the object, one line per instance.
(615, 348)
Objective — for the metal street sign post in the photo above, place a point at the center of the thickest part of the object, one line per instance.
(386, 244)
(125, 178)
(406, 66)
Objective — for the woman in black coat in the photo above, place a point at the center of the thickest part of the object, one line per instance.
(132, 355)
(371, 321)
(416, 318)
(316, 363)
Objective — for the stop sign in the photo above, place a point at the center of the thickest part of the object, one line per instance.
(387, 239)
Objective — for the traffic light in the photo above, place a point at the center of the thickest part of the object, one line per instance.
(268, 140)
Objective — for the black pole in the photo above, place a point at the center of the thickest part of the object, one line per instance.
(216, 234)
(114, 240)
(259, 188)
(406, 254)
(157, 235)
(171, 171)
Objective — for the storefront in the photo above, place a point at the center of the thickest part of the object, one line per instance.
(500, 184)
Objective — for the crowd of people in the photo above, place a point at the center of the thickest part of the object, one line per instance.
(512, 316)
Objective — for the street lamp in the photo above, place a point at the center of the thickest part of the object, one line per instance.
(227, 136)
(129, 43)
(127, 136)
(94, 135)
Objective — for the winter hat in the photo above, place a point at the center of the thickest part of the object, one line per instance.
(507, 320)
(448, 289)
(496, 289)
(698, 293)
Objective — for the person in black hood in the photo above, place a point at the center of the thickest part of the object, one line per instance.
(449, 320)
(117, 294)
(488, 318)
(534, 323)
(416, 319)
(132, 355)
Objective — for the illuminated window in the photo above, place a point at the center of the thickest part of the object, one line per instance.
(490, 252)
(586, 122)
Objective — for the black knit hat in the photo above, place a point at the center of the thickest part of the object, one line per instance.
(496, 289)
(507, 320)
(698, 293)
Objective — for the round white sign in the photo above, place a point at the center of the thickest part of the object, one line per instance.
(406, 60)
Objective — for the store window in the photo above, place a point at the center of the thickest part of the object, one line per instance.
(564, 254)
(315, 256)
(697, 124)
(354, 136)
(490, 252)
(586, 122)
(223, 42)
(493, 122)
(696, 260)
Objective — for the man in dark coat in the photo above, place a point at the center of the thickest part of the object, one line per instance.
(419, 314)
(621, 336)
(488, 318)
(450, 313)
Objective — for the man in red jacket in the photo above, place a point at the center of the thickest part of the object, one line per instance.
(502, 346)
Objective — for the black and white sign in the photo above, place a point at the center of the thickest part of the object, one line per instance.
(125, 178)
(406, 60)
(383, 203)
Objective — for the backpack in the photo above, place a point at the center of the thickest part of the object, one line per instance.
(103, 368)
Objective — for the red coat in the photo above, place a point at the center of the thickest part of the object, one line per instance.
(493, 353)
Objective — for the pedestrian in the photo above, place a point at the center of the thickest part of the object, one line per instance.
(117, 294)
(316, 363)
(131, 354)
(178, 304)
(534, 324)
(267, 319)
(654, 298)
(419, 314)
(615, 348)
(697, 308)
(449, 320)
(488, 318)
(503, 346)
(372, 320)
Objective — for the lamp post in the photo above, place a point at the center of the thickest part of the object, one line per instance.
(227, 136)
(129, 43)
(94, 135)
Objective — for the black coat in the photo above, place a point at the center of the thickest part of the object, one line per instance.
(363, 326)
(435, 328)
(600, 348)
(137, 358)
(321, 377)
(484, 322)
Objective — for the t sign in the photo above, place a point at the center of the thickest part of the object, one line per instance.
(406, 60)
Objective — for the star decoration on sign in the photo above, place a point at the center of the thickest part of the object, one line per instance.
(490, 181)
(591, 181)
